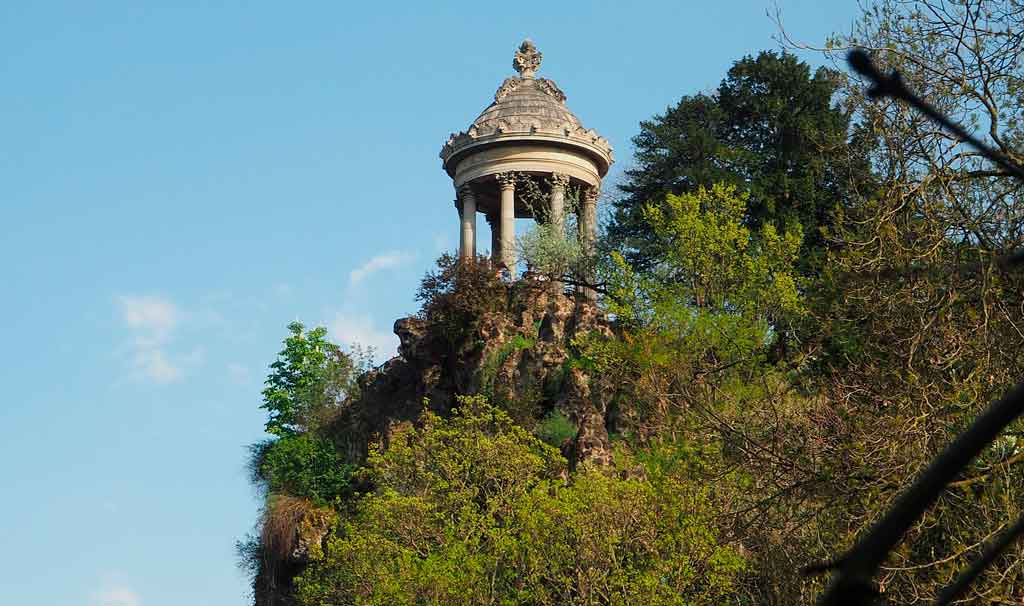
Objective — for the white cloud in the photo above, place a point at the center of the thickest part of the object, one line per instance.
(115, 595)
(153, 363)
(349, 329)
(388, 260)
(149, 314)
(152, 321)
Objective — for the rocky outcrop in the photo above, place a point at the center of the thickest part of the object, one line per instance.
(519, 357)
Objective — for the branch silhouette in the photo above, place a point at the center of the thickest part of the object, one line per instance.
(852, 583)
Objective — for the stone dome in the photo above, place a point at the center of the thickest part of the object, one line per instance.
(527, 111)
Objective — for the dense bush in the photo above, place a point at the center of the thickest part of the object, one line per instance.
(470, 510)
(304, 466)
(455, 295)
(555, 428)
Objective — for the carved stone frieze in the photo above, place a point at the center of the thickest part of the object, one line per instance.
(559, 180)
(509, 85)
(506, 180)
(549, 87)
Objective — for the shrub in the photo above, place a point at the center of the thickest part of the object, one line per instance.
(555, 429)
(308, 381)
(455, 295)
(468, 510)
(303, 466)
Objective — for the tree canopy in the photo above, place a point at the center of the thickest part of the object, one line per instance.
(772, 130)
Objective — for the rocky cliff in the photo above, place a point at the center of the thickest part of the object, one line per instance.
(521, 357)
(514, 343)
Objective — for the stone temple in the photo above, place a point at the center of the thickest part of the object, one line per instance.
(527, 140)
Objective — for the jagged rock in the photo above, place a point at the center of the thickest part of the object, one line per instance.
(411, 332)
(519, 356)
(592, 445)
(558, 314)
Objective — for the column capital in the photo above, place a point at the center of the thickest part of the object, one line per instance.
(465, 191)
(591, 194)
(506, 180)
(559, 180)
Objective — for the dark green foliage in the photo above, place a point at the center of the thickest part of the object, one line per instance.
(303, 466)
(455, 295)
(771, 130)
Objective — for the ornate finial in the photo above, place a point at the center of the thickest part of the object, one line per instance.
(527, 59)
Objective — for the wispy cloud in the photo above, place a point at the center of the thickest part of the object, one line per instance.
(152, 363)
(115, 595)
(148, 313)
(355, 329)
(388, 260)
(152, 320)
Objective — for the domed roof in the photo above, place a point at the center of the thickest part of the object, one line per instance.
(537, 102)
(527, 110)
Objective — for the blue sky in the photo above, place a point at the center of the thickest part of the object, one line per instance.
(180, 180)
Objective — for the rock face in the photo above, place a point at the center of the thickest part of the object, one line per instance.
(520, 356)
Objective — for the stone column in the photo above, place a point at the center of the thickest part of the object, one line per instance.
(588, 236)
(494, 222)
(507, 183)
(558, 184)
(467, 241)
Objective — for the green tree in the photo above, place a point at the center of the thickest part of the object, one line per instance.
(770, 129)
(310, 377)
(471, 510)
(303, 465)
(717, 273)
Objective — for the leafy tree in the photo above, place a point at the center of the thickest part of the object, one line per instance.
(771, 130)
(963, 57)
(470, 510)
(548, 248)
(717, 272)
(307, 381)
(917, 325)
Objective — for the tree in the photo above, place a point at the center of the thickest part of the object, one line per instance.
(471, 510)
(454, 296)
(918, 325)
(771, 130)
(721, 288)
(310, 377)
(963, 57)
